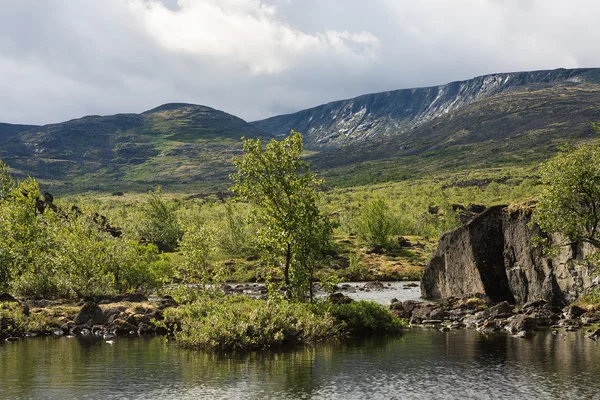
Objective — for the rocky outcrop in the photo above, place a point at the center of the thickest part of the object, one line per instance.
(398, 111)
(469, 260)
(495, 255)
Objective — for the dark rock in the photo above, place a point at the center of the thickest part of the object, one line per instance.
(433, 210)
(590, 317)
(375, 285)
(489, 326)
(499, 311)
(595, 335)
(411, 285)
(167, 302)
(339, 298)
(68, 327)
(144, 329)
(476, 208)
(121, 327)
(495, 255)
(521, 323)
(470, 260)
(438, 314)
(575, 312)
(90, 312)
(410, 305)
(109, 312)
(533, 305)
(404, 242)
(137, 319)
(458, 207)
(252, 258)
(5, 297)
(422, 313)
(398, 310)
(135, 298)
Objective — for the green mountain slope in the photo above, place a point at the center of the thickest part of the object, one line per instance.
(172, 145)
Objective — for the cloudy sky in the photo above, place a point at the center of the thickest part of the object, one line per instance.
(62, 59)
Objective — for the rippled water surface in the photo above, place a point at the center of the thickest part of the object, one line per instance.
(419, 364)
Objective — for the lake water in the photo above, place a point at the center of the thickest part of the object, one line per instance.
(417, 364)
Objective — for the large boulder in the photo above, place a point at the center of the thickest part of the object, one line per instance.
(470, 260)
(496, 255)
(90, 313)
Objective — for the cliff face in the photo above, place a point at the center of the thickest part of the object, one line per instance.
(398, 111)
(495, 255)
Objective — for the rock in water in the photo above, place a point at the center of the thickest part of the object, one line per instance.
(90, 311)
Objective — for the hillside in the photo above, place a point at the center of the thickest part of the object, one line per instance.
(174, 144)
(488, 122)
(395, 112)
(514, 128)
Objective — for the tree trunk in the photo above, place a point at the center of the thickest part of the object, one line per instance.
(286, 269)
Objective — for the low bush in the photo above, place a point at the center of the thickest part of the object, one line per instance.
(363, 317)
(14, 322)
(241, 323)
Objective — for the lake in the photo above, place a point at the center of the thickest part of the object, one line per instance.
(420, 363)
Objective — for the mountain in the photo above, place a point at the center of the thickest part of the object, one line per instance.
(174, 144)
(521, 127)
(7, 131)
(513, 119)
(392, 113)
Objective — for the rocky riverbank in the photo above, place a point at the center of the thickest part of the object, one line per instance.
(476, 313)
(134, 314)
(107, 318)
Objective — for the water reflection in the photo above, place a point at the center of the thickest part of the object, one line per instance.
(420, 364)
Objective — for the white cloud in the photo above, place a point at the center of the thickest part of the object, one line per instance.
(62, 59)
(247, 32)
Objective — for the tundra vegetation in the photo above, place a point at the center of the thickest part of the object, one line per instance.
(280, 224)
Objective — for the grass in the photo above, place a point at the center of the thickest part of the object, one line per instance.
(241, 323)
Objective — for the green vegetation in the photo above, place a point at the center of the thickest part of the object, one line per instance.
(15, 322)
(241, 323)
(51, 254)
(283, 193)
(570, 202)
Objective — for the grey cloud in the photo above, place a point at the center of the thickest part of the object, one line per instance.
(63, 59)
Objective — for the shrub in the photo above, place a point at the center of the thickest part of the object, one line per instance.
(159, 222)
(360, 317)
(375, 224)
(240, 323)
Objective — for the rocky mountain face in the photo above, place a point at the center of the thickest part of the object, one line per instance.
(171, 144)
(395, 112)
(495, 255)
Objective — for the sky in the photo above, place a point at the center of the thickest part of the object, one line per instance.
(63, 59)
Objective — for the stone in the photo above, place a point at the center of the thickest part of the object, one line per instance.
(590, 317)
(575, 312)
(495, 255)
(90, 311)
(501, 310)
(595, 335)
(375, 285)
(5, 297)
(521, 323)
(339, 298)
(470, 260)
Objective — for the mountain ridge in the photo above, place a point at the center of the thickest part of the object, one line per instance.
(398, 111)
